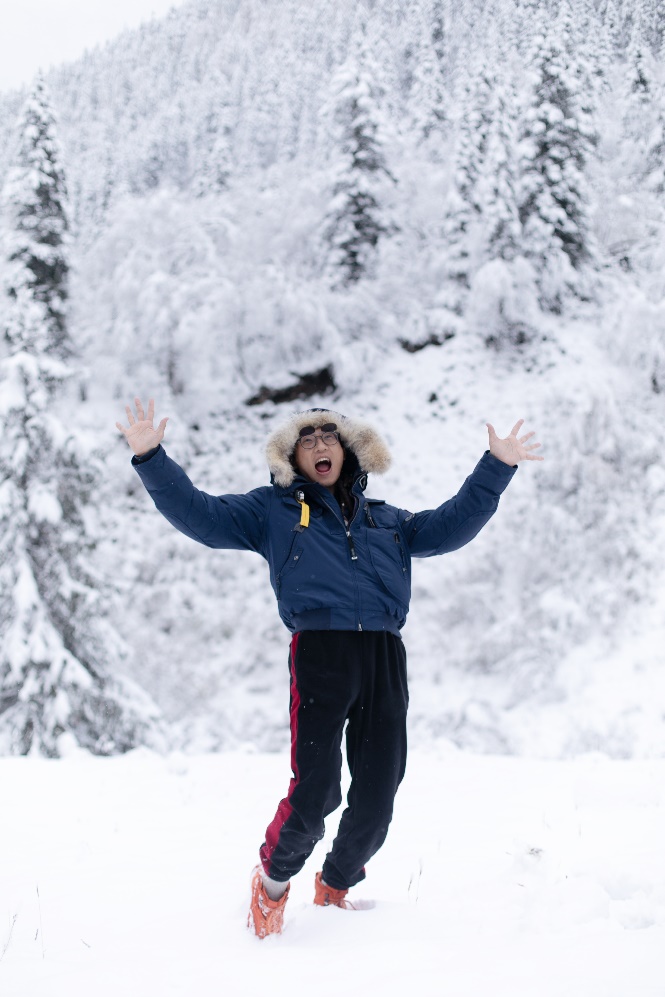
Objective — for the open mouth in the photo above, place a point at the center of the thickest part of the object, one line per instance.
(323, 465)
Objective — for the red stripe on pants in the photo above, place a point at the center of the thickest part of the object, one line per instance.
(284, 810)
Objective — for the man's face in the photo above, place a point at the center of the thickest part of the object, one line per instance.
(323, 462)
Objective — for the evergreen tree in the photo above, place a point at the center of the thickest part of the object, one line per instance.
(357, 217)
(436, 15)
(528, 18)
(261, 129)
(554, 202)
(487, 271)
(35, 215)
(462, 213)
(613, 24)
(644, 111)
(211, 158)
(602, 47)
(497, 183)
(639, 77)
(55, 648)
(653, 24)
(581, 31)
(654, 152)
(428, 91)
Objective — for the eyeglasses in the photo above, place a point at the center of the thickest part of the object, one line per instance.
(328, 435)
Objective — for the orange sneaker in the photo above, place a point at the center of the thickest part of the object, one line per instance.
(266, 916)
(326, 896)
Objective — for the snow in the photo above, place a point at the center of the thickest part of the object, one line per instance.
(44, 506)
(532, 868)
(500, 876)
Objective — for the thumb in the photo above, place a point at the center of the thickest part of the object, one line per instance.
(492, 432)
(162, 427)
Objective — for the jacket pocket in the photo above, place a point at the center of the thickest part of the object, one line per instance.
(290, 564)
(400, 546)
(390, 563)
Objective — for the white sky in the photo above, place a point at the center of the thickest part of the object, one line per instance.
(38, 34)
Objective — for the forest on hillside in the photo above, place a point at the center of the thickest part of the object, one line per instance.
(427, 213)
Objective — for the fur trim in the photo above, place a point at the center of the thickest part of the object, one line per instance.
(372, 453)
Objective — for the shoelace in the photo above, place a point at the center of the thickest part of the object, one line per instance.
(336, 898)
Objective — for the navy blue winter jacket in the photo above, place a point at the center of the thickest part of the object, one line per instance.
(325, 576)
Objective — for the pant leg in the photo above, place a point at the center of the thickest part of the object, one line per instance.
(324, 684)
(376, 753)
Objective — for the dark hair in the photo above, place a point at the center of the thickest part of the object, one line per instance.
(344, 484)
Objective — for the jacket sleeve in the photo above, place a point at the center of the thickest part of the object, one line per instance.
(234, 522)
(453, 524)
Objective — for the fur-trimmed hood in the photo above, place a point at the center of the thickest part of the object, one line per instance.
(361, 439)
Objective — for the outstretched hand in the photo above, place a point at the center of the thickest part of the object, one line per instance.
(512, 450)
(141, 435)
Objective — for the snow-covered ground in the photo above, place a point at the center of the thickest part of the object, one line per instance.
(501, 877)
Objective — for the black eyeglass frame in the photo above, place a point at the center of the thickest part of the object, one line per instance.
(328, 434)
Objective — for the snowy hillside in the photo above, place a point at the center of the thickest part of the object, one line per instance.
(515, 269)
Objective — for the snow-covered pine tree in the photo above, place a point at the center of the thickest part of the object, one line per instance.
(602, 48)
(35, 229)
(613, 25)
(644, 111)
(428, 95)
(461, 216)
(653, 24)
(210, 155)
(495, 182)
(496, 186)
(357, 217)
(637, 59)
(501, 300)
(557, 139)
(261, 129)
(527, 18)
(585, 44)
(56, 686)
(654, 152)
(436, 15)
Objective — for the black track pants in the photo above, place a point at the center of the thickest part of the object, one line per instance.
(340, 675)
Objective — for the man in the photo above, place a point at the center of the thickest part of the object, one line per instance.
(340, 566)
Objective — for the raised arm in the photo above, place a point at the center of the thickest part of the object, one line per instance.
(460, 519)
(234, 522)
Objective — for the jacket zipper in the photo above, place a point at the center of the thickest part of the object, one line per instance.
(401, 551)
(354, 556)
(347, 530)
